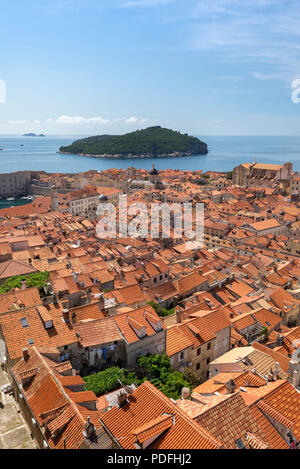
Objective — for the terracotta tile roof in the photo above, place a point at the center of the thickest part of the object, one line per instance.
(28, 373)
(239, 288)
(98, 331)
(242, 321)
(55, 409)
(249, 379)
(274, 438)
(44, 313)
(199, 404)
(47, 400)
(73, 380)
(62, 420)
(276, 357)
(284, 300)
(184, 434)
(138, 319)
(252, 395)
(177, 341)
(284, 400)
(164, 291)
(189, 282)
(129, 295)
(61, 367)
(91, 311)
(279, 417)
(230, 420)
(15, 300)
(215, 320)
(18, 336)
(11, 268)
(289, 338)
(255, 442)
(216, 383)
(153, 428)
(267, 319)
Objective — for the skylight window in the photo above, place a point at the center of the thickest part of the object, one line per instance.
(268, 324)
(30, 341)
(24, 322)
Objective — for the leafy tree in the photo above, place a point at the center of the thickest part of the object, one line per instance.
(190, 377)
(107, 380)
(38, 280)
(155, 368)
(162, 312)
(159, 371)
(264, 333)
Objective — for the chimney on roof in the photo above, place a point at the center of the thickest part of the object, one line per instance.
(179, 316)
(89, 295)
(66, 315)
(185, 393)
(122, 397)
(23, 284)
(276, 371)
(89, 429)
(101, 302)
(25, 353)
(294, 367)
(279, 340)
(230, 386)
(66, 305)
(295, 379)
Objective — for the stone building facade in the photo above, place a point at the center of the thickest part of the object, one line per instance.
(261, 175)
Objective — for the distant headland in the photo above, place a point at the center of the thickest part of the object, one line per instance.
(153, 142)
(33, 135)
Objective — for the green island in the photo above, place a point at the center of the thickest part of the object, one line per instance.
(153, 142)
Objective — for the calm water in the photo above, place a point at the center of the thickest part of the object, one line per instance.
(13, 203)
(224, 154)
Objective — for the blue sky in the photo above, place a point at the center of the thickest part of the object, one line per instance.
(111, 66)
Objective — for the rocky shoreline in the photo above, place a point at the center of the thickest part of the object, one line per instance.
(131, 156)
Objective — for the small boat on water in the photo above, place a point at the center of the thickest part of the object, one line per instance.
(10, 198)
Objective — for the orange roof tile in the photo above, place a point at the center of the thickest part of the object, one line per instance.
(184, 434)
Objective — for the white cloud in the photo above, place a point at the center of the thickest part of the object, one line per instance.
(132, 120)
(17, 122)
(146, 3)
(80, 120)
(267, 32)
(267, 76)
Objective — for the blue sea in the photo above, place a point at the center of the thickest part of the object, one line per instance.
(225, 152)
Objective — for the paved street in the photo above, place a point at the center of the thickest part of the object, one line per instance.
(14, 432)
